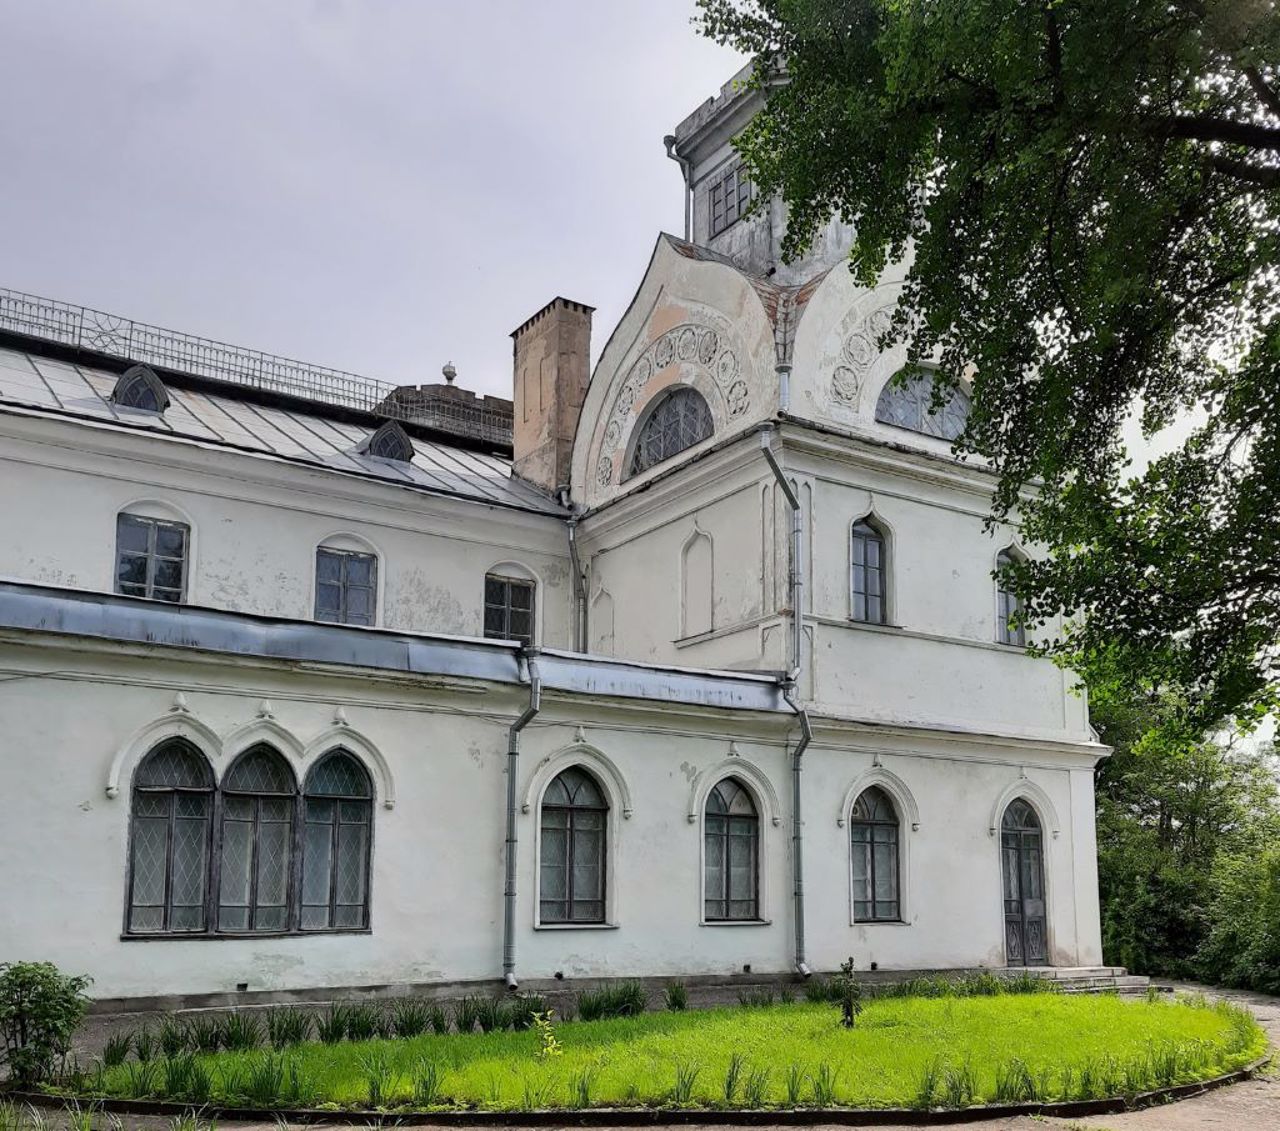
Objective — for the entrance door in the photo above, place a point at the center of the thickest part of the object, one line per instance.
(1021, 843)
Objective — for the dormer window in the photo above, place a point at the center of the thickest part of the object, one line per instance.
(390, 441)
(728, 199)
(140, 388)
(680, 420)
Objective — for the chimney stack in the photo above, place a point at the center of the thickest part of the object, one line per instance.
(552, 358)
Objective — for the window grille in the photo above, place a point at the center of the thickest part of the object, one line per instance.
(909, 404)
(346, 586)
(574, 824)
(338, 817)
(390, 441)
(874, 835)
(729, 199)
(256, 842)
(680, 420)
(140, 388)
(508, 608)
(732, 854)
(869, 590)
(1009, 628)
(169, 839)
(151, 557)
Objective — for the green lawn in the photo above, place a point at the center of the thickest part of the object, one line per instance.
(948, 1051)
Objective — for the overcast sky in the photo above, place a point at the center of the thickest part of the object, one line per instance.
(375, 185)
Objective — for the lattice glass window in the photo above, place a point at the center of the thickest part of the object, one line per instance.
(169, 836)
(256, 843)
(346, 586)
(389, 441)
(680, 420)
(868, 580)
(908, 403)
(728, 200)
(574, 822)
(731, 836)
(874, 834)
(151, 557)
(139, 387)
(508, 608)
(1009, 629)
(337, 829)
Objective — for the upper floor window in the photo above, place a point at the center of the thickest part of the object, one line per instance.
(728, 199)
(574, 822)
(731, 885)
(907, 402)
(151, 557)
(508, 608)
(1009, 628)
(680, 420)
(139, 387)
(874, 834)
(389, 441)
(346, 586)
(869, 579)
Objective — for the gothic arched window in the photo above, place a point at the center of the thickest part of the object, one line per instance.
(907, 402)
(139, 387)
(1009, 628)
(337, 823)
(874, 836)
(868, 573)
(575, 818)
(390, 441)
(256, 843)
(678, 421)
(731, 836)
(169, 837)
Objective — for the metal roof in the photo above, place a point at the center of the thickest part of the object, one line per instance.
(30, 380)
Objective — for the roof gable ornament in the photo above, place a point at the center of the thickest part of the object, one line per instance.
(390, 441)
(139, 387)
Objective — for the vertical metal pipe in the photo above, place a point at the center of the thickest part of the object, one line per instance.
(686, 169)
(579, 590)
(530, 656)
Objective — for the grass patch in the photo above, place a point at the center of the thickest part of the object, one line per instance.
(905, 1052)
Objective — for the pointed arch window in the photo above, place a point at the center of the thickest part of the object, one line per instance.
(869, 585)
(139, 387)
(680, 420)
(171, 823)
(1009, 627)
(337, 825)
(874, 832)
(574, 826)
(259, 796)
(389, 441)
(906, 401)
(731, 837)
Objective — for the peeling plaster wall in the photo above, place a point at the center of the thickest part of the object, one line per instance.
(437, 874)
(255, 527)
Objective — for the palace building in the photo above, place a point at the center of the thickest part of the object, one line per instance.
(692, 664)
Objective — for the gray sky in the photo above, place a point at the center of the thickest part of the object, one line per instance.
(376, 185)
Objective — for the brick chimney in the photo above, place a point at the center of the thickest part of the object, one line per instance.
(552, 356)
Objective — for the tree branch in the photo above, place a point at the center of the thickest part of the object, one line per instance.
(1200, 127)
(1265, 176)
(1265, 94)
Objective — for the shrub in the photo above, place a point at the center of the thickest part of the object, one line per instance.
(172, 1037)
(144, 1044)
(287, 1026)
(116, 1050)
(1242, 946)
(523, 1008)
(331, 1025)
(409, 1017)
(40, 1010)
(426, 1083)
(264, 1080)
(755, 999)
(466, 1013)
(204, 1034)
(624, 1000)
(240, 1032)
(676, 996)
(438, 1019)
(362, 1022)
(492, 1014)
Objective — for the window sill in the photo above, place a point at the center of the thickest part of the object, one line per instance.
(226, 936)
(879, 923)
(576, 926)
(736, 923)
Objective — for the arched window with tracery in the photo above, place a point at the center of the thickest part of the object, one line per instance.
(337, 826)
(731, 836)
(170, 828)
(259, 796)
(678, 421)
(874, 835)
(908, 402)
(574, 826)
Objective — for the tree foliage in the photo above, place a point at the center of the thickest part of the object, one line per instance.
(40, 1010)
(1086, 193)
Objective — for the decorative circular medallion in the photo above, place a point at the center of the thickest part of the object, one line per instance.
(707, 346)
(604, 471)
(846, 384)
(688, 343)
(726, 367)
(664, 352)
(738, 397)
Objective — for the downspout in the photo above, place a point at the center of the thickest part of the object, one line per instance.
(790, 686)
(686, 169)
(530, 656)
(579, 589)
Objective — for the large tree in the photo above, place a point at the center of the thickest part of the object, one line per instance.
(1087, 194)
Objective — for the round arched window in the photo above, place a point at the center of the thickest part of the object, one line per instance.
(680, 420)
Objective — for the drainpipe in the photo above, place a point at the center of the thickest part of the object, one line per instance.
(530, 656)
(579, 590)
(791, 684)
(686, 169)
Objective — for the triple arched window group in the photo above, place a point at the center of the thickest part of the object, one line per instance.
(574, 827)
(253, 854)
